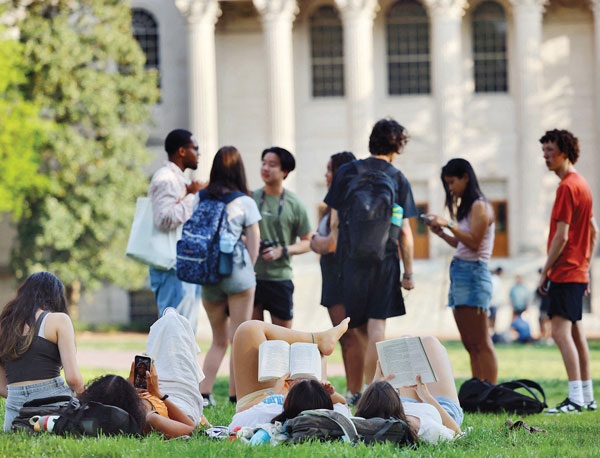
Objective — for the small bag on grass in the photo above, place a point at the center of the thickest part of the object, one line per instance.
(323, 424)
(475, 395)
(65, 415)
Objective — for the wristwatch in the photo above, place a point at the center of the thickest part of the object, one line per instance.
(284, 253)
(450, 224)
(407, 276)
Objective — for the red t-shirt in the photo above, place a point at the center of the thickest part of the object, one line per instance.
(573, 205)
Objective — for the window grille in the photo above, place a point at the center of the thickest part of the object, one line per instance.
(145, 31)
(489, 48)
(327, 53)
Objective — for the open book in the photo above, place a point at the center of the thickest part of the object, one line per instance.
(276, 358)
(405, 358)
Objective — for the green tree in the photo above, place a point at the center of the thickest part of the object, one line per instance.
(86, 71)
(22, 135)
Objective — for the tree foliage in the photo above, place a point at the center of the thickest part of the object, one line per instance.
(22, 135)
(86, 71)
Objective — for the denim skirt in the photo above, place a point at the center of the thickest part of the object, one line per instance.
(20, 394)
(470, 284)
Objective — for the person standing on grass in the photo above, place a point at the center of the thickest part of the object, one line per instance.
(172, 195)
(565, 276)
(284, 221)
(471, 232)
(324, 242)
(372, 287)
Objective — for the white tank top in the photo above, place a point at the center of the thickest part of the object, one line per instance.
(484, 252)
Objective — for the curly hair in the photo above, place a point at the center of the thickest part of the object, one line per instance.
(387, 137)
(114, 390)
(566, 142)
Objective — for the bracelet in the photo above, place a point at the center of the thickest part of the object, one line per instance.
(164, 397)
(407, 276)
(285, 252)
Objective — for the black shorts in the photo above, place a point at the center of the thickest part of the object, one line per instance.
(331, 290)
(372, 290)
(566, 300)
(276, 297)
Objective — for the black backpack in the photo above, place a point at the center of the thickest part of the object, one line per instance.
(478, 396)
(370, 200)
(325, 425)
(80, 419)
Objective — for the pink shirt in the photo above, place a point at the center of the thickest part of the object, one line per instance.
(171, 204)
(484, 252)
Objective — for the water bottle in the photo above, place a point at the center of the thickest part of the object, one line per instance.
(226, 246)
(397, 215)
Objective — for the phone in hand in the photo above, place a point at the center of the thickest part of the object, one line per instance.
(141, 365)
(546, 285)
(426, 219)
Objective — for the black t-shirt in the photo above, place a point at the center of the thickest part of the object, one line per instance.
(335, 198)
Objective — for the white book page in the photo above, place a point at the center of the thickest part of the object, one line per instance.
(405, 358)
(305, 361)
(273, 360)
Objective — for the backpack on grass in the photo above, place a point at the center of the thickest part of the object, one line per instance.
(326, 425)
(371, 196)
(478, 396)
(80, 419)
(198, 249)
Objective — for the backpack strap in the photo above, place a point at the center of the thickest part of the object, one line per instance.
(527, 385)
(345, 424)
(390, 422)
(231, 196)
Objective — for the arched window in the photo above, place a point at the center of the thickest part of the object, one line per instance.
(327, 53)
(145, 31)
(408, 48)
(489, 47)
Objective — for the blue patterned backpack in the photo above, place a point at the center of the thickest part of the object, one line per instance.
(198, 249)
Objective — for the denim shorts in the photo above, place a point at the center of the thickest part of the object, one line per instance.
(470, 284)
(451, 407)
(242, 278)
(20, 394)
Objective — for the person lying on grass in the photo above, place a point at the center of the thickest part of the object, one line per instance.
(431, 410)
(146, 406)
(279, 400)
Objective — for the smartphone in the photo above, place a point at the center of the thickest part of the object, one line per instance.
(141, 365)
(426, 219)
(546, 286)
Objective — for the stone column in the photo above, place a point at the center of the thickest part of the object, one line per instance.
(277, 18)
(532, 222)
(596, 9)
(201, 16)
(357, 20)
(447, 88)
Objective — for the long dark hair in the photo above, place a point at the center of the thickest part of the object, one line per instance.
(114, 390)
(304, 395)
(41, 290)
(337, 160)
(227, 173)
(381, 400)
(458, 168)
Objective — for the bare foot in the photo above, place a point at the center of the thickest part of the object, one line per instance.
(326, 340)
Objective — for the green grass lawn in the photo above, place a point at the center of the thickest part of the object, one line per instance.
(567, 436)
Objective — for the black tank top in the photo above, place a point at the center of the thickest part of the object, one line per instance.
(41, 361)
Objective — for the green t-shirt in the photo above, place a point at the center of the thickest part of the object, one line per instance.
(294, 223)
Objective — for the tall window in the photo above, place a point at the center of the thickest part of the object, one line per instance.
(327, 53)
(489, 47)
(408, 48)
(145, 31)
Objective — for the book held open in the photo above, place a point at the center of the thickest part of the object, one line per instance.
(405, 358)
(277, 357)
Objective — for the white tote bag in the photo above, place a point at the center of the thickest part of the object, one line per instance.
(148, 244)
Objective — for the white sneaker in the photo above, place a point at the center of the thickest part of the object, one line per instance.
(591, 405)
(567, 406)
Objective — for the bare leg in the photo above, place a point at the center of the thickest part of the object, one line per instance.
(279, 322)
(375, 333)
(352, 351)
(251, 334)
(562, 333)
(582, 350)
(472, 324)
(218, 324)
(240, 310)
(438, 357)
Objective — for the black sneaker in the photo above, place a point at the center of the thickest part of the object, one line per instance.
(591, 405)
(352, 399)
(567, 406)
(208, 401)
